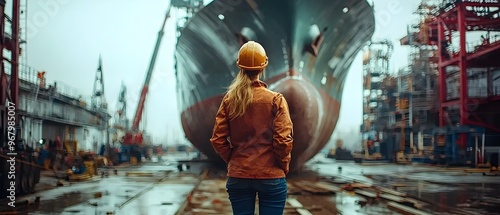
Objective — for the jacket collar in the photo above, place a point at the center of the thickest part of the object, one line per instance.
(259, 83)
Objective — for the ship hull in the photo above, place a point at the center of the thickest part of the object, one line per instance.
(310, 131)
(311, 81)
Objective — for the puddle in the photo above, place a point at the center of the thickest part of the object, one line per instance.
(446, 191)
(482, 198)
(351, 204)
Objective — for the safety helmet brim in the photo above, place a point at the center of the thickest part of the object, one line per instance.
(264, 65)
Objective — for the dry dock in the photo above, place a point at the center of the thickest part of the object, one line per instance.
(326, 187)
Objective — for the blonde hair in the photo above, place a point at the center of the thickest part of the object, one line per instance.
(240, 94)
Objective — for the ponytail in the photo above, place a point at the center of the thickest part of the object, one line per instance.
(239, 95)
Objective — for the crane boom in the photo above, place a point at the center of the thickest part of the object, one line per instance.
(140, 105)
(134, 136)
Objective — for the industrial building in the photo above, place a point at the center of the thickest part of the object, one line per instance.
(421, 109)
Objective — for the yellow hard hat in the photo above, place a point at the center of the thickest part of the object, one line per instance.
(252, 56)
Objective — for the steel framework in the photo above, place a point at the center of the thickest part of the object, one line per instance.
(375, 72)
(460, 17)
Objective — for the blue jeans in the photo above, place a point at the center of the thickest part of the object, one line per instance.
(272, 195)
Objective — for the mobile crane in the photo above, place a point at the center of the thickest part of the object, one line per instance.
(133, 140)
(18, 172)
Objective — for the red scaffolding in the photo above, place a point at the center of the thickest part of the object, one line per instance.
(459, 17)
(9, 87)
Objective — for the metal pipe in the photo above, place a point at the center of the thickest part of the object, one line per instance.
(482, 148)
(453, 147)
(411, 142)
(441, 70)
(475, 151)
(410, 102)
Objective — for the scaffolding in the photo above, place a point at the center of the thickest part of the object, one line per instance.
(417, 83)
(376, 79)
(400, 109)
(467, 66)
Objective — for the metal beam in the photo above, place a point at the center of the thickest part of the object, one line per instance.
(455, 102)
(482, 124)
(442, 72)
(478, 54)
(462, 29)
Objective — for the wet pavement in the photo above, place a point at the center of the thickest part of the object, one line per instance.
(444, 190)
(349, 204)
(158, 188)
(150, 188)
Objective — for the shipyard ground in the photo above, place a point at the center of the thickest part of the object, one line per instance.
(326, 187)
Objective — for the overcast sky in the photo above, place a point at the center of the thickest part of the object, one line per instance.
(66, 38)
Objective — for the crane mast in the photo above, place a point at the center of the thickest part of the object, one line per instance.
(134, 136)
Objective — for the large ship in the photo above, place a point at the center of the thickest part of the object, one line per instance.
(310, 44)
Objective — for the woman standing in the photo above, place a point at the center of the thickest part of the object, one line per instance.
(253, 135)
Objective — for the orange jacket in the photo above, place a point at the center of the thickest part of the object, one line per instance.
(259, 143)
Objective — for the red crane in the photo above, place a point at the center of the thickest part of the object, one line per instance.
(134, 136)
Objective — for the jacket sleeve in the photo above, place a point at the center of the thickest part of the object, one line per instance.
(283, 133)
(220, 134)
